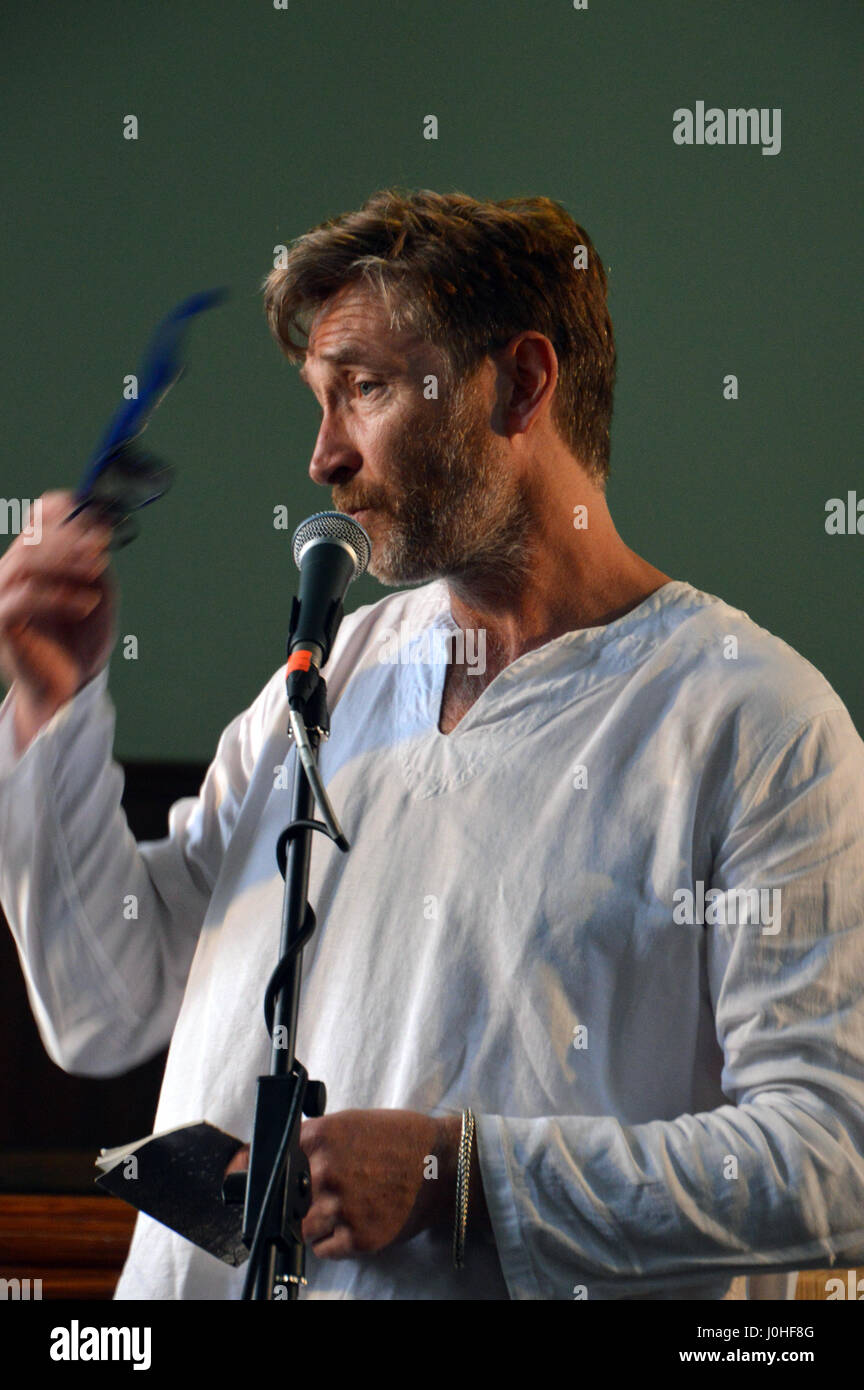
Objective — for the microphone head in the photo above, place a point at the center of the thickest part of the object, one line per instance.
(334, 526)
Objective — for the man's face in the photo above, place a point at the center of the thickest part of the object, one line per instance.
(429, 479)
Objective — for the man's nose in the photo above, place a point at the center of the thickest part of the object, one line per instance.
(334, 459)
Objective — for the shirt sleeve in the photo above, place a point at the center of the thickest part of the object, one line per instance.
(106, 928)
(774, 1179)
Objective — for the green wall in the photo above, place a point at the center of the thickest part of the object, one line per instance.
(256, 123)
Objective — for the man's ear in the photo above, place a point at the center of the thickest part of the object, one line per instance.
(527, 377)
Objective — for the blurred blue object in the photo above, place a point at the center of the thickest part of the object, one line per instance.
(120, 478)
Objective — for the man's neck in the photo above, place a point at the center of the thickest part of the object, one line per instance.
(587, 587)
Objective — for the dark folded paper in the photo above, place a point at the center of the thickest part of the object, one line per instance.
(176, 1178)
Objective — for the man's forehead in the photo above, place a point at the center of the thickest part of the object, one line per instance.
(354, 325)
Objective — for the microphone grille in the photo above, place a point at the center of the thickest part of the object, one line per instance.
(335, 526)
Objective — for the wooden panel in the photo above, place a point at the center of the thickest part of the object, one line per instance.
(75, 1245)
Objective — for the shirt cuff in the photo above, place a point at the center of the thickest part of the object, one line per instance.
(495, 1170)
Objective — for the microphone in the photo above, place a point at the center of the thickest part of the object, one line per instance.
(331, 550)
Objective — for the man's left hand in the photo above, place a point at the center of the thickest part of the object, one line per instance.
(372, 1179)
(368, 1185)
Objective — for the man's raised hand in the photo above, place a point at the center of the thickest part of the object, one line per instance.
(57, 609)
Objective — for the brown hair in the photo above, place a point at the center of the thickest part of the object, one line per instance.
(467, 276)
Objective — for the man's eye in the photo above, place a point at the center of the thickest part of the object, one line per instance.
(361, 384)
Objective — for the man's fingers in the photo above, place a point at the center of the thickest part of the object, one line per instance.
(78, 556)
(322, 1221)
(21, 603)
(54, 507)
(338, 1246)
(310, 1135)
(57, 506)
(56, 501)
(240, 1161)
(81, 563)
(79, 548)
(87, 528)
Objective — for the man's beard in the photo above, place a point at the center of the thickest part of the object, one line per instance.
(452, 509)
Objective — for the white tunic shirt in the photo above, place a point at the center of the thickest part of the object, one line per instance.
(537, 919)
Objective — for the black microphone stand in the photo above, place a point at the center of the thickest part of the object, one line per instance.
(277, 1188)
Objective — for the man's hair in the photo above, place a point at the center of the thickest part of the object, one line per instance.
(467, 276)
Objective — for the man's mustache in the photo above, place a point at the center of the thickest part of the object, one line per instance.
(356, 504)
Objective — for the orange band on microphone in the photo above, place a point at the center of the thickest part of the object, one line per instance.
(298, 661)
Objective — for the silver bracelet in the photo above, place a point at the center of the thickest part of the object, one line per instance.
(463, 1173)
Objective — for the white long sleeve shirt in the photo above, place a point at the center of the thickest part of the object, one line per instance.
(661, 1103)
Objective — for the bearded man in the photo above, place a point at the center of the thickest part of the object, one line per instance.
(645, 1102)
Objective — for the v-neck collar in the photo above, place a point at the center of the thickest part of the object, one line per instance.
(528, 692)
